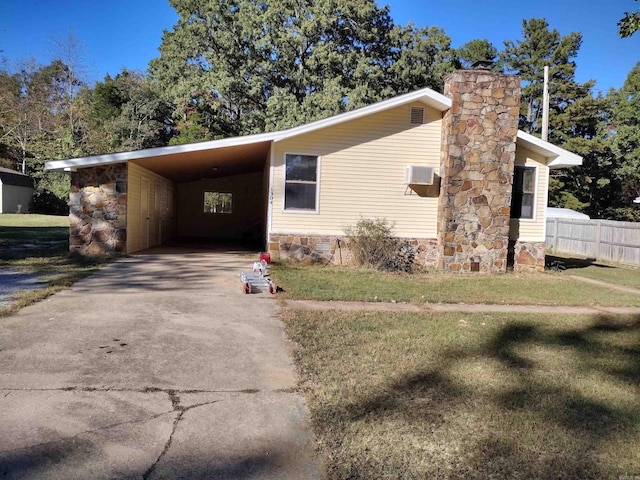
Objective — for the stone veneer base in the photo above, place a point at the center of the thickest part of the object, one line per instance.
(527, 256)
(335, 249)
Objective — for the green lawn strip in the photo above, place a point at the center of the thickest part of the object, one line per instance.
(333, 283)
(33, 220)
(470, 395)
(621, 275)
(32, 229)
(13, 236)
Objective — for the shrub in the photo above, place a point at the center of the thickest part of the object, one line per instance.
(372, 244)
(48, 203)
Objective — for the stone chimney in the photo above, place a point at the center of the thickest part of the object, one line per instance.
(478, 152)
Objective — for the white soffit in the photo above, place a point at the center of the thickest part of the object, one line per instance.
(556, 157)
(110, 158)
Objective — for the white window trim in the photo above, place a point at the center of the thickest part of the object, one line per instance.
(297, 211)
(535, 195)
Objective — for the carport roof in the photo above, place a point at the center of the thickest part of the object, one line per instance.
(556, 156)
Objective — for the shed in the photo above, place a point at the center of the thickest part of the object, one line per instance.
(16, 191)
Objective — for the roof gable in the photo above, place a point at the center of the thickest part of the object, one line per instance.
(556, 157)
(11, 177)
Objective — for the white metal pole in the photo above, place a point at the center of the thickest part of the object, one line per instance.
(545, 105)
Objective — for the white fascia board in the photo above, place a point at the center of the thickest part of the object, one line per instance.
(426, 95)
(558, 157)
(121, 157)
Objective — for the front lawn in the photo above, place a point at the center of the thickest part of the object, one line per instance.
(20, 229)
(37, 245)
(625, 276)
(342, 283)
(418, 396)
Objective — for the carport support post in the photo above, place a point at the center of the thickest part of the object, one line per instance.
(98, 211)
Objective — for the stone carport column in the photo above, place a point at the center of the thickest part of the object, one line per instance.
(478, 153)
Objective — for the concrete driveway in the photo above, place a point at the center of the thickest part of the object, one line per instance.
(156, 367)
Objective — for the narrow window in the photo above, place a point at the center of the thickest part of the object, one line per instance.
(301, 182)
(217, 202)
(524, 189)
(417, 115)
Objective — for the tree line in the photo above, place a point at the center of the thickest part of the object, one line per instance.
(237, 67)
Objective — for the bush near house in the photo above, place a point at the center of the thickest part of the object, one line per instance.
(372, 244)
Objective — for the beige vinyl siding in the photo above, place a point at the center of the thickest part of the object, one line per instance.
(532, 230)
(362, 172)
(161, 212)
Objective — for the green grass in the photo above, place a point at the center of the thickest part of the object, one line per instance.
(349, 284)
(418, 396)
(17, 229)
(625, 276)
(33, 220)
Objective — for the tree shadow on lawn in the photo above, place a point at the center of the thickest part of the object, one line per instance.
(32, 235)
(530, 424)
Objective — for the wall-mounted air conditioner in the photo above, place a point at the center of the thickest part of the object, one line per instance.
(419, 175)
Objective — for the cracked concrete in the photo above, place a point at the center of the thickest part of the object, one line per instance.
(155, 368)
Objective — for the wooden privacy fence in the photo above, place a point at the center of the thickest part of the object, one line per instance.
(607, 240)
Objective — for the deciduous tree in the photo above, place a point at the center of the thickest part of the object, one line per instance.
(246, 66)
(126, 112)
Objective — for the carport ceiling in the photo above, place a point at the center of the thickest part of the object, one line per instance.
(219, 162)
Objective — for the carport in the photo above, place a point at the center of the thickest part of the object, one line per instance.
(213, 195)
(212, 192)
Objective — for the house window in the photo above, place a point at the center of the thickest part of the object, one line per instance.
(301, 182)
(524, 188)
(217, 202)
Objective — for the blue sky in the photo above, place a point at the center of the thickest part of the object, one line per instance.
(127, 33)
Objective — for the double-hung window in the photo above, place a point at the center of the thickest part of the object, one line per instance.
(524, 189)
(301, 182)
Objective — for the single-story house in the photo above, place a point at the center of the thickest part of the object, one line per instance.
(16, 191)
(452, 172)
